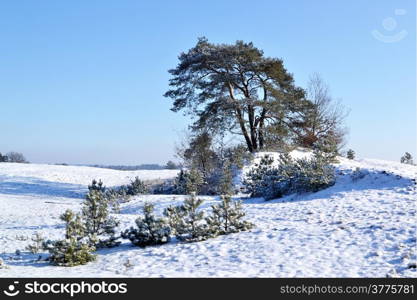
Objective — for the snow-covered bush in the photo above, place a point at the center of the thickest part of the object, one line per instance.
(37, 244)
(227, 217)
(407, 159)
(150, 230)
(188, 182)
(350, 154)
(3, 158)
(358, 173)
(186, 221)
(136, 187)
(74, 250)
(69, 252)
(290, 176)
(96, 217)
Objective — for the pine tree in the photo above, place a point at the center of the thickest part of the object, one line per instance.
(290, 176)
(188, 182)
(227, 217)
(37, 245)
(150, 230)
(95, 213)
(350, 154)
(226, 180)
(73, 250)
(74, 226)
(3, 158)
(407, 159)
(175, 215)
(190, 225)
(136, 187)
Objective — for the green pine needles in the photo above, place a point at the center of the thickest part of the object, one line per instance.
(188, 222)
(150, 230)
(227, 217)
(290, 175)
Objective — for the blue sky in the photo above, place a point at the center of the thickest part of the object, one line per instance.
(82, 81)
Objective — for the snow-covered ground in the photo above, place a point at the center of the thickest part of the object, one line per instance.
(362, 228)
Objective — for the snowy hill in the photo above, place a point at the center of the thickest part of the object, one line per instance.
(356, 228)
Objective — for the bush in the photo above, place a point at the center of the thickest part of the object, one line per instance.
(150, 230)
(290, 176)
(3, 158)
(136, 187)
(358, 174)
(350, 154)
(407, 159)
(70, 253)
(171, 165)
(73, 250)
(37, 244)
(227, 217)
(186, 222)
(188, 182)
(95, 214)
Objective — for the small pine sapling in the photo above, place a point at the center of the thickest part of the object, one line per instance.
(72, 251)
(150, 230)
(37, 244)
(350, 154)
(227, 217)
(97, 222)
(137, 187)
(407, 159)
(191, 226)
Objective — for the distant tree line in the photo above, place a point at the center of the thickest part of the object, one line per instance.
(170, 165)
(14, 157)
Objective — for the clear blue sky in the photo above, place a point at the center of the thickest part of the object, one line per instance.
(82, 81)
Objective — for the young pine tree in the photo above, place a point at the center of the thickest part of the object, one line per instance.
(226, 180)
(350, 154)
(188, 182)
(407, 159)
(72, 251)
(97, 221)
(190, 226)
(137, 187)
(227, 217)
(150, 230)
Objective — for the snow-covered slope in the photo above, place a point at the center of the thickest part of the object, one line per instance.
(79, 175)
(362, 228)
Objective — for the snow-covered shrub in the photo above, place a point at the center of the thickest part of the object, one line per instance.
(187, 223)
(70, 252)
(357, 174)
(227, 217)
(3, 158)
(97, 221)
(313, 175)
(289, 175)
(73, 250)
(188, 182)
(150, 230)
(350, 154)
(36, 246)
(165, 188)
(136, 187)
(407, 159)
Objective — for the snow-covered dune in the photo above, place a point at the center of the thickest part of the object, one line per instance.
(79, 174)
(361, 228)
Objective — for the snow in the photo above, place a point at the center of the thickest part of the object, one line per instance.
(361, 228)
